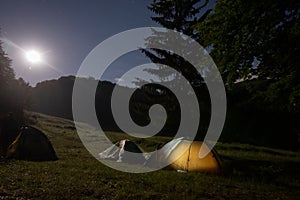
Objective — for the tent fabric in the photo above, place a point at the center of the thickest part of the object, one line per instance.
(182, 154)
(185, 156)
(168, 148)
(31, 144)
(119, 152)
(111, 153)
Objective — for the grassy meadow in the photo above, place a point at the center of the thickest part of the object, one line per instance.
(249, 172)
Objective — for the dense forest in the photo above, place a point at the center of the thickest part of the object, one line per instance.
(247, 121)
(14, 98)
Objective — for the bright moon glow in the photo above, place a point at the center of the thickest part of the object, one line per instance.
(33, 56)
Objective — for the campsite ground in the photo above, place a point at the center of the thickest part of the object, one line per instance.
(249, 172)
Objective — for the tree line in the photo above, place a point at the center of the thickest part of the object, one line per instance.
(14, 98)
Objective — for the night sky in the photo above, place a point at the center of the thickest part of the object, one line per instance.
(66, 31)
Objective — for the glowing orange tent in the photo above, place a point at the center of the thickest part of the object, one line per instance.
(186, 156)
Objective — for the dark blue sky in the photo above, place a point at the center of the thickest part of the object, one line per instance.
(66, 31)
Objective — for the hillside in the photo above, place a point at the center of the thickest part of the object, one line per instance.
(249, 172)
(54, 97)
(247, 119)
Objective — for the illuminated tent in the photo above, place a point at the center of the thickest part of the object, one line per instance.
(31, 144)
(184, 155)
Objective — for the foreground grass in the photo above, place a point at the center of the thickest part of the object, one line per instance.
(249, 172)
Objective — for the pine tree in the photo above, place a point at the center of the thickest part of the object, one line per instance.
(181, 16)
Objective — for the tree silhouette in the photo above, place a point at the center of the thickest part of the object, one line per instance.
(14, 96)
(179, 16)
(258, 40)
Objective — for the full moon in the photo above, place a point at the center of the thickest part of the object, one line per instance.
(33, 56)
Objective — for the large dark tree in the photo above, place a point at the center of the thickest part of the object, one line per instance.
(181, 16)
(6, 72)
(258, 40)
(255, 45)
(14, 96)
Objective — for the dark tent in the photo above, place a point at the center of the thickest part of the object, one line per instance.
(31, 144)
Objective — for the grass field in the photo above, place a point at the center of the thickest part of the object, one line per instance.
(249, 172)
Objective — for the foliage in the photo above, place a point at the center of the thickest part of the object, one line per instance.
(180, 16)
(14, 98)
(6, 72)
(257, 40)
(60, 93)
(255, 45)
(14, 92)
